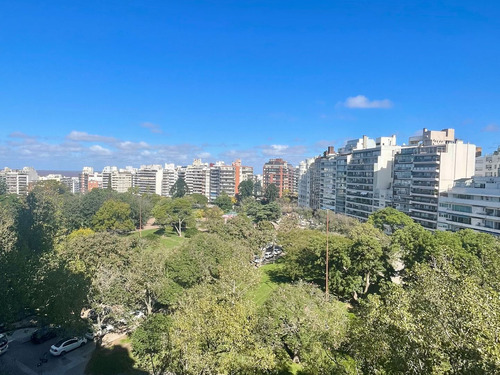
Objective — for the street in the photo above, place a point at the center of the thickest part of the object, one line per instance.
(23, 358)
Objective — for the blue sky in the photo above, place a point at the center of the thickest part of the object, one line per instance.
(127, 82)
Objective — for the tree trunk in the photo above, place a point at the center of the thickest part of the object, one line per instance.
(149, 305)
(179, 228)
(367, 282)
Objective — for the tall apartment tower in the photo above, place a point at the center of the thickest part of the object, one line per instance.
(83, 178)
(149, 179)
(369, 178)
(223, 179)
(170, 176)
(428, 166)
(304, 182)
(280, 173)
(197, 178)
(241, 173)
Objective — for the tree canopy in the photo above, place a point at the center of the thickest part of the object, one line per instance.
(272, 193)
(176, 212)
(179, 189)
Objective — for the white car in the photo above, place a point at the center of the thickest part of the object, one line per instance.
(4, 344)
(67, 345)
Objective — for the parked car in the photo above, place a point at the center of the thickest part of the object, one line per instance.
(4, 344)
(66, 345)
(105, 329)
(43, 334)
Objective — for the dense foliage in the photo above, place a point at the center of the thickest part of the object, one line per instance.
(400, 299)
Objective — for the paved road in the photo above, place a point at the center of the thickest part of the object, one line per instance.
(23, 358)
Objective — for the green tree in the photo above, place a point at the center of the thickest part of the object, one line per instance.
(306, 260)
(370, 255)
(177, 213)
(199, 200)
(257, 189)
(259, 212)
(146, 279)
(389, 219)
(440, 322)
(245, 189)
(8, 230)
(272, 193)
(113, 216)
(104, 259)
(223, 201)
(3, 186)
(303, 327)
(214, 332)
(79, 210)
(179, 189)
(151, 343)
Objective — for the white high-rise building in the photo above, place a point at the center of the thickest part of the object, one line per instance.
(170, 176)
(18, 181)
(197, 178)
(222, 180)
(471, 203)
(488, 165)
(304, 182)
(369, 178)
(149, 179)
(427, 168)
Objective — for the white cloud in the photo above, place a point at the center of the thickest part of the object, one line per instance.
(152, 127)
(127, 145)
(274, 150)
(99, 150)
(491, 128)
(363, 102)
(86, 137)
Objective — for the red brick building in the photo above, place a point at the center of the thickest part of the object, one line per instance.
(280, 173)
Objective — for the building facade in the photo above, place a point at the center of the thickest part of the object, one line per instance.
(280, 173)
(472, 203)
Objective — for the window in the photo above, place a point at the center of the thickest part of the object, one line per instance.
(460, 208)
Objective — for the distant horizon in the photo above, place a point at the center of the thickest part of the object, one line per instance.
(209, 160)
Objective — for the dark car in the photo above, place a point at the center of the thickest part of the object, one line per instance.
(43, 334)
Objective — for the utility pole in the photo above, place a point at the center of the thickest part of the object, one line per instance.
(326, 278)
(140, 216)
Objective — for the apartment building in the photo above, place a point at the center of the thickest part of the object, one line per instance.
(83, 178)
(369, 178)
(280, 173)
(223, 179)
(197, 178)
(170, 176)
(304, 182)
(149, 179)
(72, 183)
(120, 180)
(488, 165)
(427, 167)
(472, 203)
(18, 181)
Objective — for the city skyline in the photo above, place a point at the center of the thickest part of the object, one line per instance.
(131, 84)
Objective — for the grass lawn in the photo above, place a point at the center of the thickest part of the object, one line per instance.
(168, 238)
(266, 285)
